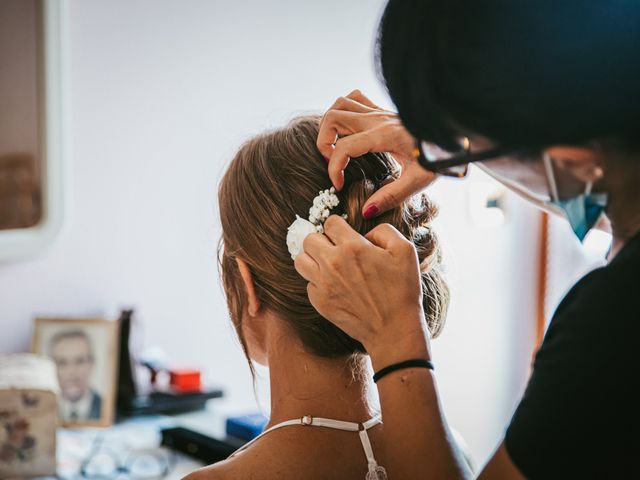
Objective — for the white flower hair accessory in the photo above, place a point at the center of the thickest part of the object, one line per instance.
(318, 213)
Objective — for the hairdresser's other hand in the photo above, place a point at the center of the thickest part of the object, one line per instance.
(369, 287)
(353, 126)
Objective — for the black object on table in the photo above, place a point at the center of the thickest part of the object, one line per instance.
(131, 402)
(165, 403)
(199, 446)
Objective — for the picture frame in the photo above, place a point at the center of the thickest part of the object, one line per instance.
(85, 351)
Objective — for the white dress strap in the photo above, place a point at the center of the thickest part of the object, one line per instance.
(287, 423)
(374, 471)
(372, 422)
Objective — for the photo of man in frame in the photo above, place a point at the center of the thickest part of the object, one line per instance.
(72, 352)
(85, 353)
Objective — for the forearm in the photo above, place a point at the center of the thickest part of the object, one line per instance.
(417, 441)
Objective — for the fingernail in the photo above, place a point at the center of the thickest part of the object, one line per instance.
(371, 211)
(326, 159)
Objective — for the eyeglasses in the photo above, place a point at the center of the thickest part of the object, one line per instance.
(455, 164)
(104, 463)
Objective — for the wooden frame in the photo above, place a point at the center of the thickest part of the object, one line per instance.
(90, 374)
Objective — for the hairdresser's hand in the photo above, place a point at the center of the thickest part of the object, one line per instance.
(353, 126)
(369, 287)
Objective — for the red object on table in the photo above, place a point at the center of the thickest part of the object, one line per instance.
(185, 380)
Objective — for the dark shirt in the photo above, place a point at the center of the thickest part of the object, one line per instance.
(579, 417)
(95, 412)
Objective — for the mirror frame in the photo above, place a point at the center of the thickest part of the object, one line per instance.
(24, 243)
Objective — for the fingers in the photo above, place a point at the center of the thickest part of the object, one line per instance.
(315, 296)
(359, 97)
(410, 182)
(355, 102)
(354, 145)
(351, 105)
(306, 267)
(316, 246)
(387, 237)
(339, 231)
(339, 122)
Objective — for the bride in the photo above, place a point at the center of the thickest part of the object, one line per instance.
(320, 385)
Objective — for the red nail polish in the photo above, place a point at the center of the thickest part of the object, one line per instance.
(326, 159)
(371, 211)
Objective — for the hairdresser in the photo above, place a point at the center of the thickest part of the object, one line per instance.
(545, 96)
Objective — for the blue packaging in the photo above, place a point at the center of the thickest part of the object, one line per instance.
(246, 427)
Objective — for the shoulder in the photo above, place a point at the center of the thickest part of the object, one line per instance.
(618, 279)
(257, 462)
(604, 297)
(597, 320)
(583, 379)
(205, 473)
(283, 456)
(224, 469)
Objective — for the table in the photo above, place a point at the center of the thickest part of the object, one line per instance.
(138, 435)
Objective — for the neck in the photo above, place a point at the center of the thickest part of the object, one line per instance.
(623, 211)
(304, 384)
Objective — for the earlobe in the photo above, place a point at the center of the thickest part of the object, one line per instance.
(253, 302)
(253, 327)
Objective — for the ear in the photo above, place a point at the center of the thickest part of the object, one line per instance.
(253, 301)
(582, 162)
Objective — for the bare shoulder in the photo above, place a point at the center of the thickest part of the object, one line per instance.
(251, 464)
(260, 462)
(287, 455)
(213, 472)
(205, 473)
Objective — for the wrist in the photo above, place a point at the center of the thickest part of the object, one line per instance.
(388, 351)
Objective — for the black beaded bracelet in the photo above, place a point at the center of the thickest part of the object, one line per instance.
(416, 362)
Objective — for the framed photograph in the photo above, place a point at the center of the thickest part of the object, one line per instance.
(85, 352)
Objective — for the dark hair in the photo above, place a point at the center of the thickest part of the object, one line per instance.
(273, 178)
(522, 73)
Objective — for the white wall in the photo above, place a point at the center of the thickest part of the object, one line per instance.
(162, 92)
